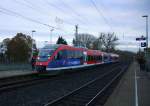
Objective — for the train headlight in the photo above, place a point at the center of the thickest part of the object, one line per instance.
(38, 58)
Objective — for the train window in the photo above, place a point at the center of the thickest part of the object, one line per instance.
(76, 54)
(88, 58)
(67, 53)
(80, 54)
(97, 58)
(55, 57)
(64, 54)
(100, 58)
(70, 54)
(92, 58)
(59, 55)
(105, 57)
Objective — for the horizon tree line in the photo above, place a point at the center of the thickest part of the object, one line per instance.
(19, 48)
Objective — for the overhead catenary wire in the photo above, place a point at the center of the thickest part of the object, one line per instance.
(30, 6)
(73, 11)
(104, 7)
(10, 14)
(62, 11)
(24, 17)
(15, 14)
(58, 8)
(101, 14)
(76, 13)
(34, 7)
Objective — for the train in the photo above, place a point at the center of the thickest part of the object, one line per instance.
(54, 57)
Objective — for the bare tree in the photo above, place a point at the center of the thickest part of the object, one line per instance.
(107, 41)
(85, 40)
(97, 44)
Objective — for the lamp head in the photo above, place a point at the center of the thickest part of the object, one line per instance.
(145, 16)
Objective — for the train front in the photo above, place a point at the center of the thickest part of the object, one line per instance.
(44, 57)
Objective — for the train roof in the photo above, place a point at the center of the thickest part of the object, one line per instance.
(89, 51)
(51, 46)
(61, 46)
(94, 52)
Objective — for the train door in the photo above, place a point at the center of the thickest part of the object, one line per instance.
(57, 61)
(85, 57)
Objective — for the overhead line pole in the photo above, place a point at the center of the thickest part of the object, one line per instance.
(76, 34)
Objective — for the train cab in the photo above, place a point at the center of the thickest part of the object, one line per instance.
(59, 57)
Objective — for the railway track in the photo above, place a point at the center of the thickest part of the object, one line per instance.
(20, 81)
(95, 91)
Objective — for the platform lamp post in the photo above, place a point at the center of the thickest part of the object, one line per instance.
(146, 16)
(32, 44)
(146, 51)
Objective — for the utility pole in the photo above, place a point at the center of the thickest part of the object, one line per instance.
(32, 44)
(76, 30)
(76, 34)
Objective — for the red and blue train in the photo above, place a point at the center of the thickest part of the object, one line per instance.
(59, 56)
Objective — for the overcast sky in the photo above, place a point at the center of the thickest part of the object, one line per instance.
(124, 17)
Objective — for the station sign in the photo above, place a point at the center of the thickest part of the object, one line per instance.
(143, 44)
(141, 38)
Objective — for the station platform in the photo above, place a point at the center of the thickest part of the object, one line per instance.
(133, 89)
(13, 73)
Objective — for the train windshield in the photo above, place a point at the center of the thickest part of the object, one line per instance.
(44, 54)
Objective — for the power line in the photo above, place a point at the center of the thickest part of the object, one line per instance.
(35, 22)
(61, 10)
(105, 7)
(70, 8)
(30, 6)
(24, 17)
(100, 13)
